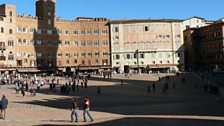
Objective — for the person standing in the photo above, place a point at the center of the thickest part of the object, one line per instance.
(23, 92)
(87, 109)
(75, 110)
(4, 104)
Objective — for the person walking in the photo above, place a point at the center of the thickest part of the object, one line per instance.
(87, 109)
(148, 88)
(165, 88)
(154, 87)
(75, 110)
(98, 90)
(4, 104)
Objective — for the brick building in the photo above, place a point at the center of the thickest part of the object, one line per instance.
(206, 45)
(47, 43)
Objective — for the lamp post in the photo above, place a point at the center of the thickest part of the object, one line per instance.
(137, 56)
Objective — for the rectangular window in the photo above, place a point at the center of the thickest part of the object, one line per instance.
(116, 29)
(105, 61)
(97, 54)
(104, 32)
(142, 56)
(19, 29)
(67, 61)
(75, 61)
(25, 30)
(67, 43)
(89, 54)
(49, 21)
(104, 42)
(19, 41)
(67, 55)
(32, 30)
(76, 55)
(83, 62)
(75, 32)
(97, 61)
(10, 43)
(117, 56)
(39, 31)
(89, 43)
(128, 56)
(105, 54)
(49, 32)
(24, 41)
(11, 57)
(10, 31)
(32, 42)
(76, 43)
(96, 32)
(146, 28)
(67, 32)
(59, 32)
(49, 43)
(59, 54)
(83, 43)
(39, 54)
(83, 54)
(89, 32)
(59, 42)
(96, 43)
(2, 30)
(38, 42)
(82, 32)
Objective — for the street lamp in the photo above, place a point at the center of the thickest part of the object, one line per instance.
(137, 53)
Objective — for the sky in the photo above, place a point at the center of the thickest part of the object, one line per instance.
(129, 9)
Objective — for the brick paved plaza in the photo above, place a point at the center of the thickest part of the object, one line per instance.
(130, 104)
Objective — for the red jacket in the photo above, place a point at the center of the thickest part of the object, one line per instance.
(87, 103)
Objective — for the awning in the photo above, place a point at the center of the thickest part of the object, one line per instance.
(116, 67)
(136, 66)
(89, 68)
(28, 70)
(157, 66)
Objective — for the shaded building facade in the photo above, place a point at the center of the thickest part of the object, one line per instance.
(206, 47)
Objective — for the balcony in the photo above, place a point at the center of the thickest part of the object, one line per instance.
(2, 46)
(2, 58)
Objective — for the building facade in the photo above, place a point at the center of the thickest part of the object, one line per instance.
(206, 44)
(195, 22)
(45, 42)
(146, 45)
(7, 38)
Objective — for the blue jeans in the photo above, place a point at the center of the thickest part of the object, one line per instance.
(86, 110)
(74, 112)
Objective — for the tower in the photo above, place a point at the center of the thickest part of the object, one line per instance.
(45, 10)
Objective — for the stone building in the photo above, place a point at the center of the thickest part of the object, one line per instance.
(147, 45)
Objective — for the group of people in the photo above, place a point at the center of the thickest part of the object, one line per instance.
(75, 109)
(26, 85)
(73, 86)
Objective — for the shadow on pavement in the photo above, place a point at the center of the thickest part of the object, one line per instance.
(151, 122)
(133, 99)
